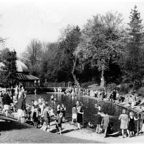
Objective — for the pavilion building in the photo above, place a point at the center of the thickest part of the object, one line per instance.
(23, 75)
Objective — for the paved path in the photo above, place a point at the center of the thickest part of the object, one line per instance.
(16, 132)
(89, 134)
(70, 134)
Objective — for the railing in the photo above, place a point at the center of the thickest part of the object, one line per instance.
(56, 84)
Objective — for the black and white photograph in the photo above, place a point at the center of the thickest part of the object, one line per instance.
(71, 71)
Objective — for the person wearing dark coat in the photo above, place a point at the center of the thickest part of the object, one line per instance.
(6, 100)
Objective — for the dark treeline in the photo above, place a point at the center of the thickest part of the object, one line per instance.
(104, 47)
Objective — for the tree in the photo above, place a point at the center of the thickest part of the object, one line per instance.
(3, 54)
(49, 66)
(68, 51)
(8, 74)
(134, 66)
(33, 55)
(101, 40)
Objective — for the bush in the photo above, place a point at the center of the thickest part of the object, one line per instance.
(111, 87)
(124, 88)
(141, 91)
(86, 84)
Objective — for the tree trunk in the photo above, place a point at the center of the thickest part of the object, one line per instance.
(74, 76)
(102, 78)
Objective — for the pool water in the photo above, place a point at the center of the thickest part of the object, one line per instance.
(90, 111)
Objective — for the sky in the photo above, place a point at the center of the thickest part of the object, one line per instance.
(23, 20)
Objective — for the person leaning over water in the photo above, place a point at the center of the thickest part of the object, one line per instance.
(124, 122)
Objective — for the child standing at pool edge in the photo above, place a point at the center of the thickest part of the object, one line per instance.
(59, 122)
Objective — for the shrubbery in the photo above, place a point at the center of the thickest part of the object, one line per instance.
(124, 88)
(111, 87)
(141, 91)
(86, 84)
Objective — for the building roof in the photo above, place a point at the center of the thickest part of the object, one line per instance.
(25, 77)
(31, 77)
(21, 67)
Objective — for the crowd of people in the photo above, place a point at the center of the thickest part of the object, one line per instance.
(128, 121)
(40, 113)
(131, 99)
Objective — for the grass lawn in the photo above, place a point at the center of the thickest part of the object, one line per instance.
(14, 132)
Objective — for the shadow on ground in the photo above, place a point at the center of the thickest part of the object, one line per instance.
(11, 125)
(67, 131)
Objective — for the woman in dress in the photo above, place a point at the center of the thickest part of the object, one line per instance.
(131, 126)
(63, 110)
(124, 122)
(79, 115)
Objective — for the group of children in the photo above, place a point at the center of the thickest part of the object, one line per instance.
(41, 115)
